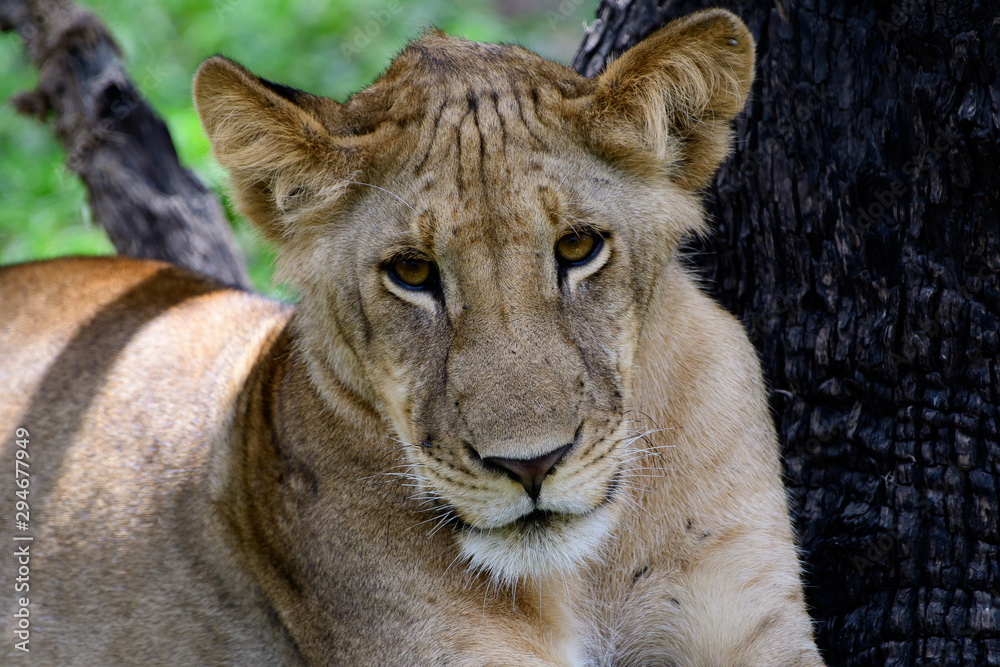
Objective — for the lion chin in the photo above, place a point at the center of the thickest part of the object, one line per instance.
(537, 546)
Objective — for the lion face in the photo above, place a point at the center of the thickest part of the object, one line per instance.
(477, 238)
(500, 326)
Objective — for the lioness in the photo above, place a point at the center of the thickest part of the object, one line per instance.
(502, 427)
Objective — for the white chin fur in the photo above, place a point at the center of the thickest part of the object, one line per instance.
(517, 552)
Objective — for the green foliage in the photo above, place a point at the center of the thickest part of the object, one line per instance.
(331, 48)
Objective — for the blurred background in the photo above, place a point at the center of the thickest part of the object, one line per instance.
(331, 48)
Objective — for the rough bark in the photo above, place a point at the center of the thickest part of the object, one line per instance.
(149, 205)
(858, 240)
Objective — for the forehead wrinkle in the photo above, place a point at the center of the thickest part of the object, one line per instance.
(478, 138)
(470, 153)
(493, 138)
(439, 154)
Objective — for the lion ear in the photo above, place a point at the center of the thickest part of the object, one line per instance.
(665, 104)
(286, 151)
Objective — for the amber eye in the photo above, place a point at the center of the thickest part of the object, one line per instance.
(413, 272)
(577, 247)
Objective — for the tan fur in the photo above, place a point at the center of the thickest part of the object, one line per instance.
(217, 478)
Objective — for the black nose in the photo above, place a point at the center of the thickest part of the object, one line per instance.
(529, 473)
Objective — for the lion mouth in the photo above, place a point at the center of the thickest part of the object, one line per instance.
(538, 520)
(534, 524)
(537, 544)
(536, 516)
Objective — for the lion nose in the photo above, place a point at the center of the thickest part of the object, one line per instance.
(529, 473)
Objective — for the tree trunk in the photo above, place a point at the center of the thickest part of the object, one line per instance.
(858, 240)
(149, 205)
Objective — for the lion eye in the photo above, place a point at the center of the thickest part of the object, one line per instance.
(577, 248)
(413, 272)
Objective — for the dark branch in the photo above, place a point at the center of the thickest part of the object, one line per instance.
(149, 205)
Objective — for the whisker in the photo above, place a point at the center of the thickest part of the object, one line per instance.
(388, 192)
(449, 515)
(442, 514)
(660, 476)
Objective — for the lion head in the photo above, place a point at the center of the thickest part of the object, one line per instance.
(477, 237)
